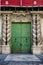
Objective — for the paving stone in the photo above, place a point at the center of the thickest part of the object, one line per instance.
(22, 58)
(32, 59)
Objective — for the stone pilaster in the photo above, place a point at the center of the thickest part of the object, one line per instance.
(4, 30)
(8, 30)
(6, 34)
(38, 30)
(36, 48)
(34, 29)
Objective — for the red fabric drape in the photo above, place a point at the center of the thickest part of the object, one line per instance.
(24, 3)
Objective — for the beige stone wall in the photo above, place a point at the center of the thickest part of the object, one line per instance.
(21, 16)
(6, 49)
(0, 34)
(41, 22)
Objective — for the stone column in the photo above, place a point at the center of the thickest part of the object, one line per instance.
(8, 30)
(4, 30)
(6, 34)
(36, 48)
(34, 29)
(38, 30)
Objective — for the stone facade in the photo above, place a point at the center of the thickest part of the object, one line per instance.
(36, 19)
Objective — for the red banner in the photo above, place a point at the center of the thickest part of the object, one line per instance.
(21, 3)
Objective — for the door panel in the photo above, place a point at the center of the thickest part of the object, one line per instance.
(26, 29)
(20, 37)
(26, 32)
(15, 35)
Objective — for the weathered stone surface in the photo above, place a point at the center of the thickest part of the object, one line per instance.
(4, 56)
(36, 49)
(5, 49)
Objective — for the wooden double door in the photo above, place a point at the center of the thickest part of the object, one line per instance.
(21, 37)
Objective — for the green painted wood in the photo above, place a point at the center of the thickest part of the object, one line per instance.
(26, 38)
(15, 37)
(21, 37)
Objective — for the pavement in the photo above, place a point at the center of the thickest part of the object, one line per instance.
(21, 59)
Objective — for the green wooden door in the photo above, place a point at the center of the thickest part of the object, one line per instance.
(21, 37)
(26, 38)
